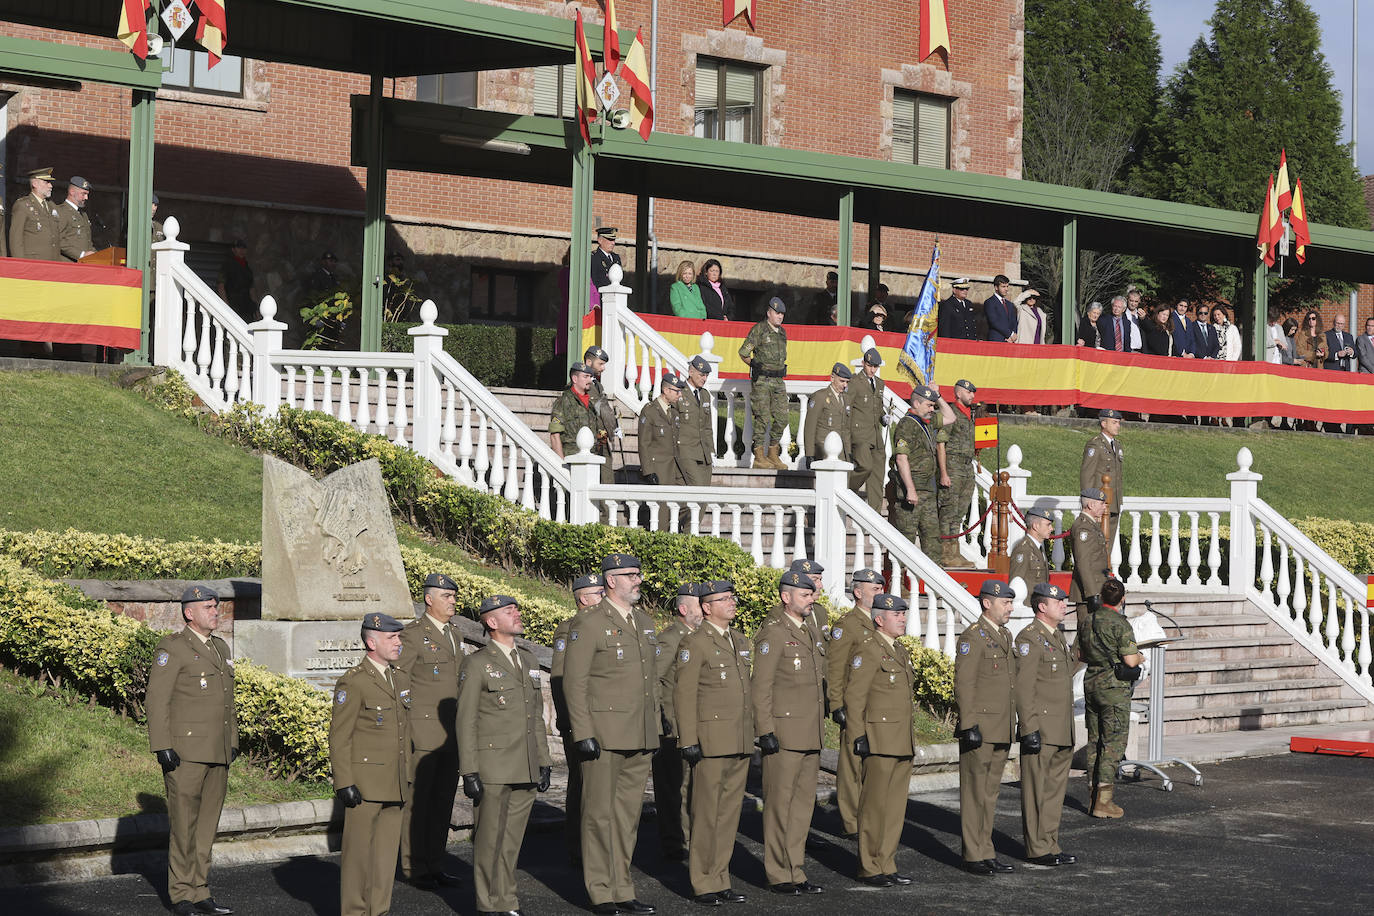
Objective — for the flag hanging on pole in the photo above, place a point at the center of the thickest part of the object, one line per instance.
(610, 42)
(586, 83)
(918, 353)
(729, 9)
(1269, 218)
(984, 432)
(934, 29)
(1297, 217)
(636, 74)
(133, 26)
(1283, 195)
(212, 31)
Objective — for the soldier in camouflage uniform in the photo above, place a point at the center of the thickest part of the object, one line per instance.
(573, 410)
(956, 470)
(596, 360)
(764, 351)
(1104, 640)
(914, 473)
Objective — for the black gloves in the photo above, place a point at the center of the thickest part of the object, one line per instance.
(970, 739)
(768, 744)
(588, 749)
(861, 746)
(167, 759)
(651, 479)
(545, 777)
(233, 754)
(350, 796)
(839, 717)
(472, 787)
(692, 754)
(1030, 744)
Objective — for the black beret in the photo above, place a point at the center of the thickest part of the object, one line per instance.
(494, 603)
(619, 561)
(198, 592)
(590, 580)
(382, 623)
(794, 579)
(994, 588)
(439, 580)
(871, 576)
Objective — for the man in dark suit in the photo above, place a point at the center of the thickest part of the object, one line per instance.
(1340, 347)
(1203, 336)
(1183, 337)
(1000, 311)
(1364, 347)
(1116, 327)
(956, 318)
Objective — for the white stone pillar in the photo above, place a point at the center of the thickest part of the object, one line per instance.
(832, 478)
(1244, 490)
(585, 468)
(427, 339)
(167, 315)
(266, 343)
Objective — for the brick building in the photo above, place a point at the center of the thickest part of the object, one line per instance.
(260, 150)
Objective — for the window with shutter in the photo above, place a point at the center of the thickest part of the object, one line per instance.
(728, 101)
(447, 89)
(191, 70)
(555, 91)
(920, 129)
(903, 127)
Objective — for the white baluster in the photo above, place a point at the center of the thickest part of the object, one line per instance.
(203, 352)
(309, 388)
(1348, 635)
(694, 518)
(231, 375)
(1133, 578)
(1314, 604)
(778, 557)
(785, 444)
(613, 513)
(715, 520)
(188, 334)
(747, 431)
(932, 640)
(560, 503)
(483, 463)
(1299, 590)
(736, 529)
(1266, 568)
(448, 430)
(756, 547)
(1284, 588)
(400, 418)
(860, 550)
(653, 508)
(1155, 557)
(1365, 635)
(362, 417)
(345, 412)
(1214, 551)
(949, 630)
(246, 376)
(290, 398)
(972, 517)
(631, 371)
(513, 475)
(1175, 558)
(497, 478)
(1194, 553)
(727, 458)
(327, 395)
(385, 404)
(895, 586)
(217, 359)
(799, 534)
(1332, 632)
(545, 509)
(1057, 551)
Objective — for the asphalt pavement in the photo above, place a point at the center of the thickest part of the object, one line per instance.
(1287, 834)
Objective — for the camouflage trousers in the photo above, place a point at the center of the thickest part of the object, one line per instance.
(1107, 714)
(921, 521)
(954, 502)
(768, 401)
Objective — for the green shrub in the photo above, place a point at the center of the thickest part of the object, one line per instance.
(934, 683)
(498, 356)
(73, 554)
(283, 723)
(1350, 544)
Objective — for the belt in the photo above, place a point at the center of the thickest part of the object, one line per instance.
(772, 373)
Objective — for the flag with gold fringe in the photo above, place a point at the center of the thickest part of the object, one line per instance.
(133, 26)
(636, 74)
(212, 31)
(918, 353)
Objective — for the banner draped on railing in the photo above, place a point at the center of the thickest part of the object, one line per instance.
(1049, 374)
(70, 303)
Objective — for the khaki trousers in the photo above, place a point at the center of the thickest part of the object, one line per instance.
(572, 806)
(848, 777)
(428, 811)
(882, 811)
(980, 779)
(1044, 779)
(195, 795)
(717, 794)
(789, 799)
(870, 463)
(500, 829)
(672, 777)
(371, 838)
(612, 798)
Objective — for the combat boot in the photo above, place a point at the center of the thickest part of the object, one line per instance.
(1102, 803)
(760, 460)
(951, 558)
(775, 458)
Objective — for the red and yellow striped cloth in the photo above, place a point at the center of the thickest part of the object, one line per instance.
(70, 303)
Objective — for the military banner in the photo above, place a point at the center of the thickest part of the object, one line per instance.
(70, 303)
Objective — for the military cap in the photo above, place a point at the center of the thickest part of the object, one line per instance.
(884, 603)
(155, 201)
(617, 561)
(871, 576)
(439, 580)
(699, 364)
(689, 590)
(198, 592)
(994, 588)
(607, 232)
(590, 580)
(961, 283)
(595, 352)
(494, 603)
(45, 173)
(1093, 493)
(716, 587)
(672, 381)
(794, 579)
(921, 391)
(777, 305)
(840, 370)
(76, 181)
(872, 358)
(1048, 590)
(831, 275)
(1037, 512)
(382, 623)
(1109, 413)
(806, 566)
(580, 367)
(966, 385)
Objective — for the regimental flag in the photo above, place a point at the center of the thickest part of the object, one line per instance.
(586, 83)
(636, 74)
(729, 9)
(1283, 195)
(1297, 217)
(918, 353)
(133, 26)
(985, 432)
(212, 31)
(1269, 222)
(934, 29)
(610, 42)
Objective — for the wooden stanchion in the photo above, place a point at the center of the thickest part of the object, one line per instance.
(1000, 494)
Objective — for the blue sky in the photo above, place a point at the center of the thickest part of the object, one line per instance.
(1181, 22)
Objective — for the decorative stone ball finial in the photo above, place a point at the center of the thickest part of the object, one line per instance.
(832, 446)
(268, 308)
(1244, 458)
(429, 311)
(585, 440)
(171, 228)
(615, 273)
(1014, 456)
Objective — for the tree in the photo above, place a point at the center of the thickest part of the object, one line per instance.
(1260, 83)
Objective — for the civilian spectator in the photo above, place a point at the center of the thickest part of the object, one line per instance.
(1000, 311)
(1364, 347)
(1089, 335)
(685, 295)
(1116, 327)
(1311, 342)
(1183, 337)
(824, 303)
(717, 300)
(834, 319)
(1159, 333)
(1204, 336)
(1135, 312)
(1228, 335)
(236, 281)
(1275, 343)
(875, 319)
(1031, 326)
(1340, 347)
(879, 297)
(1290, 342)
(956, 319)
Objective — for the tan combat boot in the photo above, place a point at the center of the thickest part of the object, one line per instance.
(951, 558)
(1102, 803)
(775, 457)
(760, 460)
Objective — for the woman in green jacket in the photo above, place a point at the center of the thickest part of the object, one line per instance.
(685, 296)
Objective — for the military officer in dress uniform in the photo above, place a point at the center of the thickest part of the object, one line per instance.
(658, 435)
(369, 752)
(764, 351)
(1103, 455)
(505, 757)
(431, 656)
(1107, 645)
(574, 409)
(1028, 561)
(983, 672)
(915, 473)
(603, 256)
(673, 780)
(587, 592)
(955, 452)
(845, 636)
(828, 411)
(696, 432)
(35, 230)
(712, 703)
(877, 697)
(867, 418)
(1092, 562)
(1044, 716)
(957, 319)
(194, 733)
(73, 225)
(611, 684)
(789, 716)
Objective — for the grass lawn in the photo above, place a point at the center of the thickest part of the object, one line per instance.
(61, 762)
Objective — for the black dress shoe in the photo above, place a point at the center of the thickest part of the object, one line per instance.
(878, 881)
(1048, 860)
(1001, 867)
(785, 889)
(424, 882)
(1066, 858)
(498, 913)
(899, 878)
(806, 887)
(211, 908)
(448, 880)
(707, 899)
(184, 908)
(634, 908)
(605, 909)
(729, 896)
(981, 867)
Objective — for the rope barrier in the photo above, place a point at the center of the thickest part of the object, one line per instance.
(970, 528)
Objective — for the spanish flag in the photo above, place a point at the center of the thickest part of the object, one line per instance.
(636, 74)
(586, 83)
(610, 38)
(70, 303)
(984, 432)
(133, 26)
(1297, 218)
(934, 29)
(1283, 195)
(212, 32)
(729, 9)
(1270, 225)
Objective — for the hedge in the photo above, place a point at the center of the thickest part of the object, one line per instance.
(498, 356)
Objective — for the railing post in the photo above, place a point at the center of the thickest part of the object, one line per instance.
(832, 476)
(167, 320)
(1016, 476)
(1244, 490)
(585, 469)
(266, 343)
(614, 298)
(426, 406)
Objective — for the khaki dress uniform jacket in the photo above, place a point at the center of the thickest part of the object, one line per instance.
(190, 706)
(1103, 457)
(984, 668)
(696, 436)
(672, 778)
(572, 805)
(1028, 563)
(867, 408)
(35, 230)
(1091, 561)
(1044, 703)
(73, 232)
(827, 412)
(853, 628)
(658, 436)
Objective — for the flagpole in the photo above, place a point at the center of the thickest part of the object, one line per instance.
(1354, 129)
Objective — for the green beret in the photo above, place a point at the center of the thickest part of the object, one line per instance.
(382, 623)
(994, 588)
(198, 592)
(439, 580)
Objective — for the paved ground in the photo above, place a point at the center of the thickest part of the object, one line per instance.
(1287, 834)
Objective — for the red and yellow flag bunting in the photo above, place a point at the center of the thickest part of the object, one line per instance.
(70, 303)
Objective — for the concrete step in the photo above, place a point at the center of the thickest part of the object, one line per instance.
(1248, 717)
(1237, 648)
(1210, 696)
(1183, 672)
(1208, 626)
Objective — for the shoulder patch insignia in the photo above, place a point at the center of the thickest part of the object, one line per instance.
(901, 443)
(573, 636)
(763, 647)
(340, 696)
(1024, 648)
(858, 661)
(836, 632)
(963, 647)
(658, 650)
(462, 676)
(560, 644)
(1091, 452)
(163, 658)
(684, 655)
(1082, 535)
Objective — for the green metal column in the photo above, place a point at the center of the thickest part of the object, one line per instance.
(641, 298)
(580, 253)
(138, 233)
(1068, 286)
(1255, 289)
(875, 258)
(374, 222)
(846, 257)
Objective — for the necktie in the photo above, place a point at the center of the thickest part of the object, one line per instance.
(1118, 333)
(448, 631)
(389, 682)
